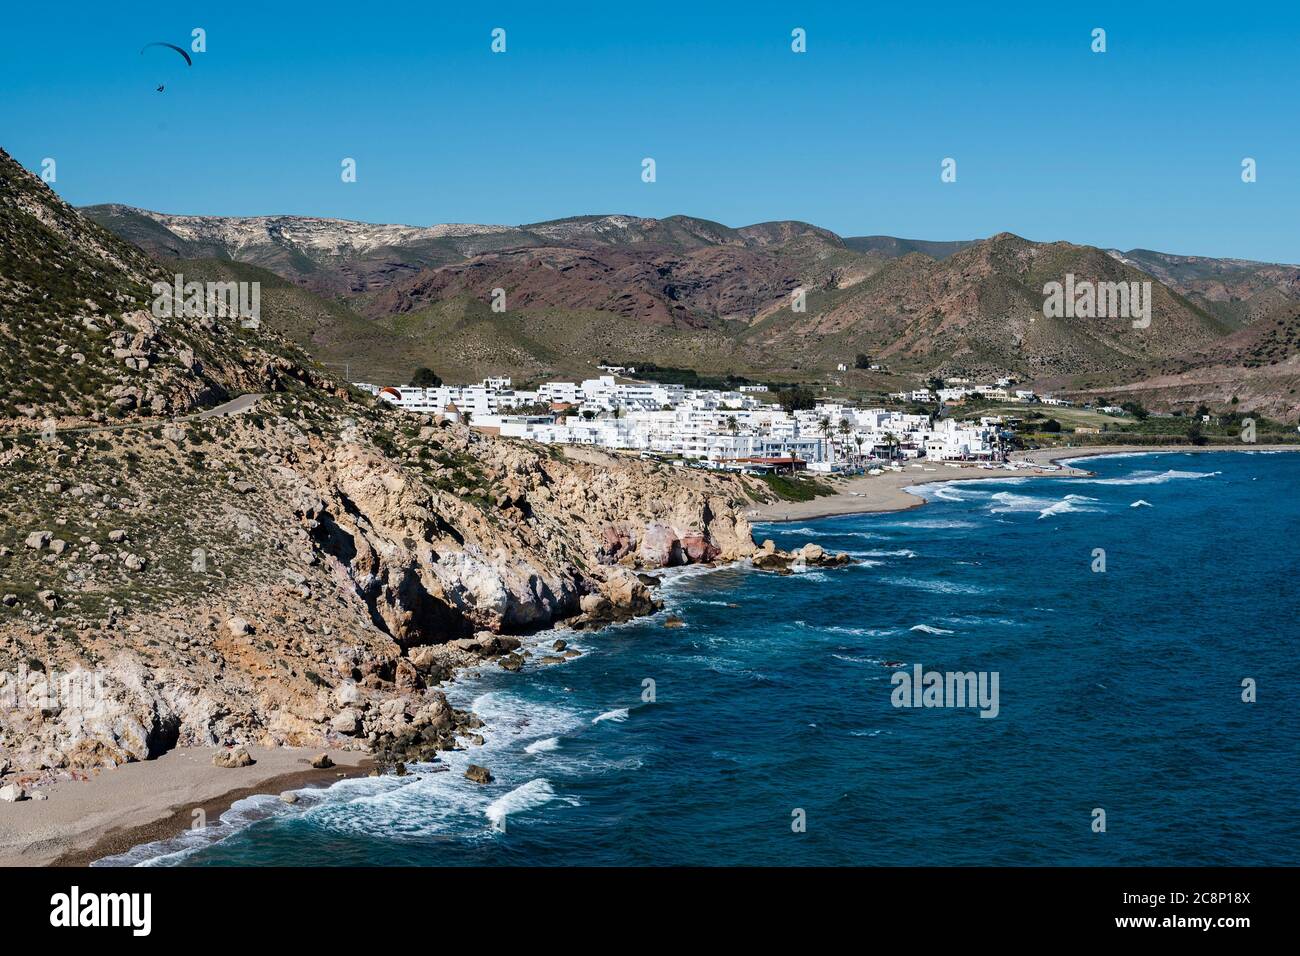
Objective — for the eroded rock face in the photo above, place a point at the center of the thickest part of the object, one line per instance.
(362, 581)
(660, 547)
(698, 549)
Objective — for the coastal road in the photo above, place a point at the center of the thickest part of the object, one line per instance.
(235, 406)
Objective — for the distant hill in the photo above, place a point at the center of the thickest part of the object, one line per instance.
(891, 248)
(689, 292)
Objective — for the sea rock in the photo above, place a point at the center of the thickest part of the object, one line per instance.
(698, 548)
(812, 553)
(230, 759)
(288, 797)
(617, 542)
(766, 560)
(674, 621)
(322, 762)
(478, 774)
(559, 645)
(660, 547)
(512, 662)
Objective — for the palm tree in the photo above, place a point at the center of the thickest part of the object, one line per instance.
(845, 429)
(824, 426)
(733, 426)
(858, 440)
(892, 441)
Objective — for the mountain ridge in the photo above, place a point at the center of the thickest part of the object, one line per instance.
(685, 291)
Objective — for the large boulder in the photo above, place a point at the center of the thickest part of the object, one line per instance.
(347, 721)
(698, 548)
(617, 541)
(238, 757)
(660, 547)
(38, 539)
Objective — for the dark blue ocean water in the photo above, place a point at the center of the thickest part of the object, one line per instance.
(1119, 690)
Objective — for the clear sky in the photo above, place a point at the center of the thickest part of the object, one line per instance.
(1140, 146)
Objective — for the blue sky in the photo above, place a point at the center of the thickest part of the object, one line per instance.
(1139, 146)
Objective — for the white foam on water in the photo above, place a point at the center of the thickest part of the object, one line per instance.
(947, 494)
(927, 629)
(849, 658)
(1006, 502)
(938, 523)
(1140, 504)
(541, 746)
(1151, 477)
(936, 586)
(618, 716)
(529, 796)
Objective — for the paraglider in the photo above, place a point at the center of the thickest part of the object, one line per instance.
(168, 46)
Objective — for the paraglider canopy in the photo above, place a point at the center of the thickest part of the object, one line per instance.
(170, 46)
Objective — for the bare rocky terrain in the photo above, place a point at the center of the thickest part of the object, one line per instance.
(303, 566)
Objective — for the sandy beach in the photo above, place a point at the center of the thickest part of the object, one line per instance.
(83, 821)
(887, 491)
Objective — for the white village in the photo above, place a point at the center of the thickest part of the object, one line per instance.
(742, 430)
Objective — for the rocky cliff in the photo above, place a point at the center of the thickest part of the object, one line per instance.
(301, 567)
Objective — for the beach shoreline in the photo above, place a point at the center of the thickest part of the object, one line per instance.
(148, 801)
(887, 492)
(82, 821)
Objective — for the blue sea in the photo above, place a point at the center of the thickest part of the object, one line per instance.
(763, 731)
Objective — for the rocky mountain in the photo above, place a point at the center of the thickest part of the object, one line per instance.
(889, 247)
(980, 312)
(1238, 290)
(685, 292)
(227, 544)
